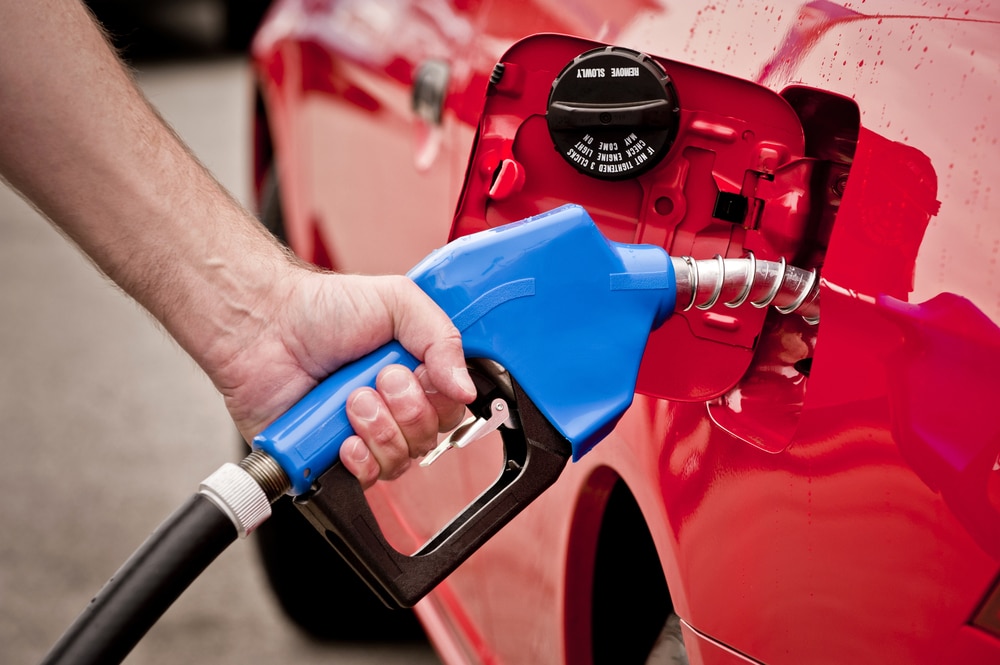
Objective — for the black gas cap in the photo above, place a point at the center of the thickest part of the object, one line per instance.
(613, 113)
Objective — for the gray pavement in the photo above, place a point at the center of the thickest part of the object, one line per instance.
(106, 427)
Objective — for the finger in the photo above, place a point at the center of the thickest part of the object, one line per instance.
(410, 408)
(373, 422)
(427, 332)
(449, 412)
(445, 362)
(356, 457)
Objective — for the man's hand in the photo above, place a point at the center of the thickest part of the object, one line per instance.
(310, 324)
(84, 145)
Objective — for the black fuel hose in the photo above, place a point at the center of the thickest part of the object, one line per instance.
(232, 502)
(149, 582)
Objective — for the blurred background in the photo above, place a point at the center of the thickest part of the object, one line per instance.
(105, 425)
(145, 29)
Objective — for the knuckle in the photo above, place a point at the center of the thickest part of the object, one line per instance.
(382, 438)
(388, 445)
(409, 412)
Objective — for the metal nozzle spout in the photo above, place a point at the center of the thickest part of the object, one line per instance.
(734, 282)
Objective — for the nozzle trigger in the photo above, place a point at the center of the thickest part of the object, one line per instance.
(472, 429)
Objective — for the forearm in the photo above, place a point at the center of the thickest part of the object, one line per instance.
(81, 142)
(91, 153)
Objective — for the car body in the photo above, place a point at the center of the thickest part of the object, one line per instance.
(793, 493)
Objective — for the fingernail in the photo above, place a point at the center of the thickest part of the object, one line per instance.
(395, 382)
(357, 451)
(424, 379)
(365, 405)
(464, 381)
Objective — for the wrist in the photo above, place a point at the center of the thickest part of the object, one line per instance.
(232, 303)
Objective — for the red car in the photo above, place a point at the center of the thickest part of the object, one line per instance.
(779, 491)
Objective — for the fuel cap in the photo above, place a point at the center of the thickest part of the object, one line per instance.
(613, 113)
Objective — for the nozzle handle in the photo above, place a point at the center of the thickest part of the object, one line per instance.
(306, 439)
(535, 455)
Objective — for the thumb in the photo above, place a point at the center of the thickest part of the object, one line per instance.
(426, 331)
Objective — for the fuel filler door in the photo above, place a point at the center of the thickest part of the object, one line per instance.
(657, 151)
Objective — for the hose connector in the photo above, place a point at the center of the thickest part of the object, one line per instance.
(246, 491)
(702, 283)
(266, 471)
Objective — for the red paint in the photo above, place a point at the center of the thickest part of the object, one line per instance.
(848, 516)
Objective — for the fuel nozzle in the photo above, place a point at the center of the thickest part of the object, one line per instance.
(554, 320)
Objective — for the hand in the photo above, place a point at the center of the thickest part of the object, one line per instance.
(310, 323)
(84, 145)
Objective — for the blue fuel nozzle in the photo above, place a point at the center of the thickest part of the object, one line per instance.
(554, 320)
(565, 311)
